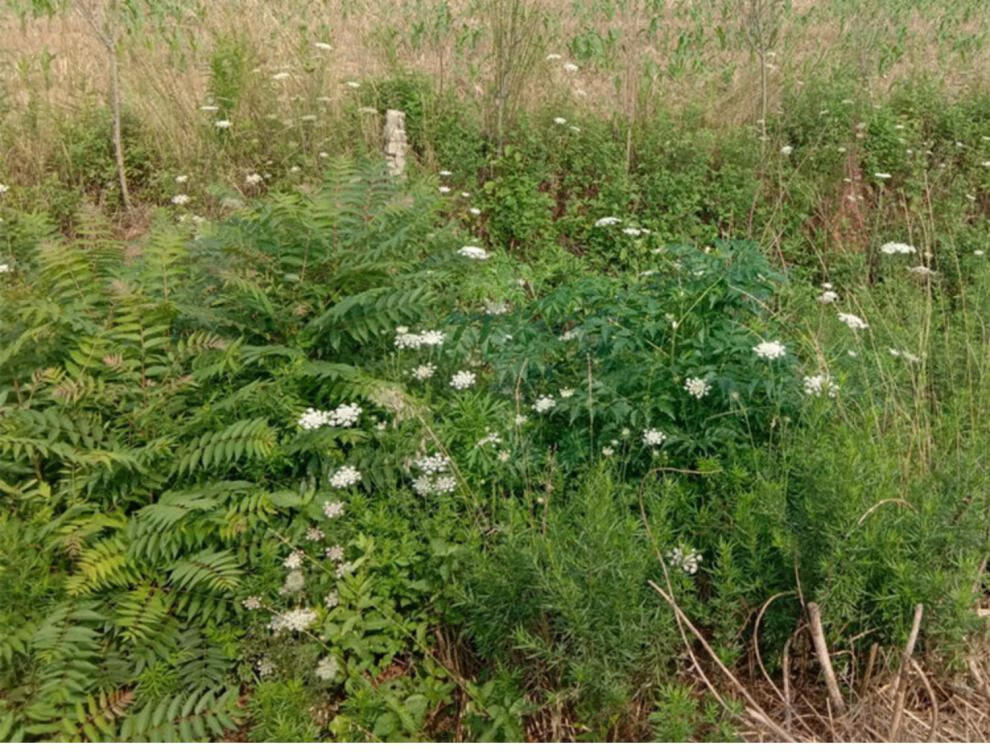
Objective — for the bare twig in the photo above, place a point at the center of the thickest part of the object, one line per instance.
(754, 707)
(821, 649)
(931, 698)
(900, 688)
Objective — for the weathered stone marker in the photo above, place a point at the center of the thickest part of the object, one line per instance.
(395, 142)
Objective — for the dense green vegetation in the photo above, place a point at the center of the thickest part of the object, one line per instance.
(324, 455)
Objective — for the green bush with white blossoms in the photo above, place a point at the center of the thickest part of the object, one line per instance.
(333, 468)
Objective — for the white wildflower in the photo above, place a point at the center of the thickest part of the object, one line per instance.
(443, 484)
(294, 582)
(352, 84)
(180, 199)
(293, 621)
(921, 270)
(608, 451)
(544, 404)
(5, 268)
(432, 338)
(445, 173)
(894, 248)
(490, 438)
(266, 666)
(423, 372)
(697, 388)
(444, 189)
(327, 668)
(569, 335)
(979, 252)
(4, 188)
(314, 534)
(293, 560)
(335, 553)
(786, 150)
(684, 558)
(252, 179)
(496, 308)
(281, 76)
(473, 252)
(820, 385)
(828, 296)
(519, 420)
(553, 56)
(223, 124)
(180, 179)
(882, 175)
(345, 476)
(345, 416)
(462, 380)
(566, 393)
(333, 509)
(770, 350)
(633, 232)
(853, 321)
(432, 464)
(312, 419)
(570, 68)
(251, 603)
(474, 211)
(423, 485)
(653, 437)
(322, 46)
(607, 221)
(503, 456)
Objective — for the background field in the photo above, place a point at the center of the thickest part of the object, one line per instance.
(675, 326)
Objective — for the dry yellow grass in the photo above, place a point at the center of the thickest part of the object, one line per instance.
(53, 67)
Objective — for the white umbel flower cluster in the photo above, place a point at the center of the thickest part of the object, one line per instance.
(895, 249)
(544, 404)
(294, 582)
(462, 380)
(345, 477)
(607, 221)
(490, 438)
(293, 560)
(473, 252)
(432, 464)
(423, 372)
(685, 558)
(770, 350)
(312, 419)
(434, 481)
(295, 620)
(653, 437)
(327, 668)
(406, 340)
(820, 385)
(697, 388)
(344, 416)
(853, 321)
(333, 509)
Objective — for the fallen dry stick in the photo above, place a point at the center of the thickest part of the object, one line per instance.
(821, 649)
(900, 687)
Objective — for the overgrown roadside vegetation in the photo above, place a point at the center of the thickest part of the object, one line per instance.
(650, 404)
